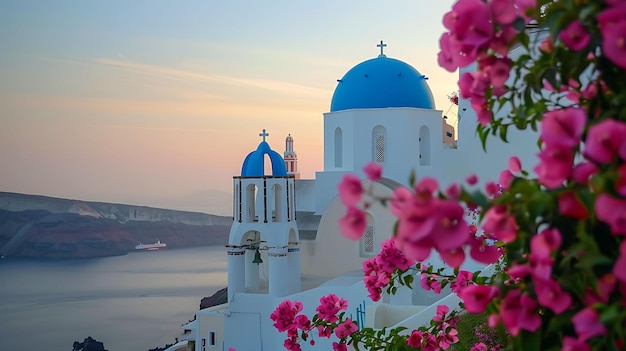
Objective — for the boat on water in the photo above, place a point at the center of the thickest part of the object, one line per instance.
(151, 247)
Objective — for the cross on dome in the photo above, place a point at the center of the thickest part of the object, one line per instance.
(264, 134)
(381, 46)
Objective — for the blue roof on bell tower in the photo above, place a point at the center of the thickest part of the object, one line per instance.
(382, 82)
(254, 164)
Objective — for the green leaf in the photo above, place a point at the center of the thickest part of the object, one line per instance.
(412, 178)
(408, 280)
(528, 341)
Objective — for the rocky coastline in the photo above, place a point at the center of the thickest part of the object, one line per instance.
(33, 226)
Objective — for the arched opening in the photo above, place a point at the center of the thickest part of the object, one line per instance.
(379, 139)
(255, 272)
(250, 203)
(237, 202)
(277, 211)
(338, 147)
(367, 240)
(424, 141)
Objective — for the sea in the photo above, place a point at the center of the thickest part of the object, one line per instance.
(134, 302)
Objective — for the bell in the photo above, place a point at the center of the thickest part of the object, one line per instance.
(257, 257)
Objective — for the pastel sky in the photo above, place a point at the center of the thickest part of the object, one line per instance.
(141, 101)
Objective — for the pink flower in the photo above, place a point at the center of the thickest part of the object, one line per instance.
(571, 206)
(424, 188)
(502, 11)
(479, 346)
(587, 324)
(329, 306)
(604, 140)
(442, 310)
(541, 248)
(518, 312)
(583, 171)
(353, 224)
(550, 295)
(620, 184)
(346, 328)
(470, 31)
(572, 344)
(619, 269)
(400, 200)
(373, 171)
(613, 212)
(575, 36)
(430, 282)
(492, 189)
(555, 165)
(495, 72)
(291, 344)
(547, 45)
(415, 339)
(614, 43)
(505, 179)
(451, 230)
(484, 252)
(563, 127)
(526, 8)
(324, 331)
(472, 179)
(350, 190)
(453, 257)
(415, 251)
(515, 165)
(284, 315)
(339, 346)
(453, 191)
(303, 322)
(477, 297)
(499, 222)
(606, 284)
(446, 57)
(430, 343)
(391, 258)
(449, 338)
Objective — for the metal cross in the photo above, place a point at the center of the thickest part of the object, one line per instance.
(264, 134)
(381, 46)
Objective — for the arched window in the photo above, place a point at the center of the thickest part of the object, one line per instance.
(379, 139)
(367, 240)
(277, 210)
(338, 148)
(424, 146)
(250, 203)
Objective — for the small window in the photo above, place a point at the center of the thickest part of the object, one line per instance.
(212, 341)
(338, 147)
(379, 136)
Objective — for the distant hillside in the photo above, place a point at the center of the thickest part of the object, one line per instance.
(47, 227)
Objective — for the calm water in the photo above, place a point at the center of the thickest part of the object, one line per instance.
(133, 302)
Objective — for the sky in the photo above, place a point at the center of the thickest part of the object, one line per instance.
(157, 103)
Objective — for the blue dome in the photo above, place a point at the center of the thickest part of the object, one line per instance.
(254, 164)
(382, 82)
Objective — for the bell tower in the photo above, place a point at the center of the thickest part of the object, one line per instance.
(291, 158)
(263, 256)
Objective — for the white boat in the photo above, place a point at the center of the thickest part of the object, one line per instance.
(151, 247)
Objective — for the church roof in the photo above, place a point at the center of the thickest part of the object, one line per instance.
(382, 82)
(254, 164)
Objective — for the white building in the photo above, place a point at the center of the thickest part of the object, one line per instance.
(285, 242)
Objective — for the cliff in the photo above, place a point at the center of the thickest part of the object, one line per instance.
(46, 227)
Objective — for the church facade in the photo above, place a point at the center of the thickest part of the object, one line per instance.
(285, 242)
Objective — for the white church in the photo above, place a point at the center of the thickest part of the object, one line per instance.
(285, 243)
